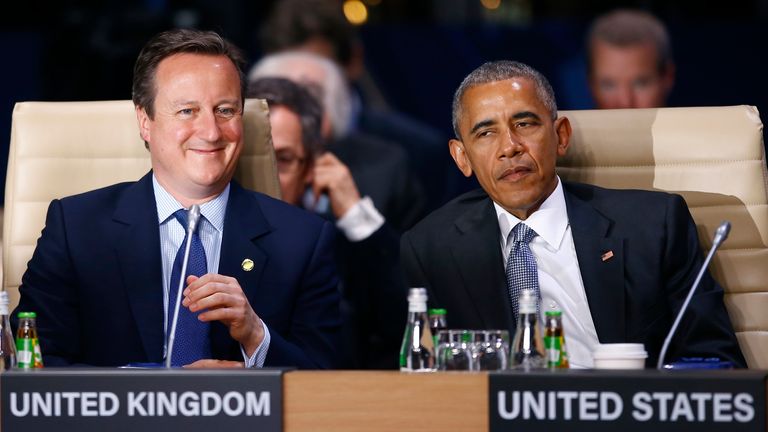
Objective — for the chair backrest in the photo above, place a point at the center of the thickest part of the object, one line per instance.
(64, 148)
(713, 157)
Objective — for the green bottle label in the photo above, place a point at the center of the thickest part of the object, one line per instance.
(554, 348)
(25, 349)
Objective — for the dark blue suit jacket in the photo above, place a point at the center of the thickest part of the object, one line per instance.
(95, 279)
(633, 297)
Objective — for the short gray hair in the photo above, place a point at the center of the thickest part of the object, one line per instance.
(628, 27)
(334, 94)
(499, 71)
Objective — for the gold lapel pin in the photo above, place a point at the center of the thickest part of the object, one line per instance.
(247, 264)
(606, 256)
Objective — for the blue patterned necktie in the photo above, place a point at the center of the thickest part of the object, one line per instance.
(521, 267)
(192, 342)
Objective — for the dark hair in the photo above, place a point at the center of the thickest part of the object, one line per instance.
(499, 71)
(299, 100)
(172, 42)
(627, 27)
(294, 22)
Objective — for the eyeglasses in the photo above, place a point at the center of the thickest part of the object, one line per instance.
(288, 162)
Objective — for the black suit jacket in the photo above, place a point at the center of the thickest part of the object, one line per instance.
(95, 279)
(381, 170)
(632, 297)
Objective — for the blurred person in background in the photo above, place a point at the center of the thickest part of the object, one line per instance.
(320, 27)
(630, 60)
(380, 169)
(372, 282)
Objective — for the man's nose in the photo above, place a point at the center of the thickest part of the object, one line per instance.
(208, 127)
(510, 145)
(625, 98)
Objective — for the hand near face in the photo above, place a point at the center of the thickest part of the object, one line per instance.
(333, 177)
(222, 299)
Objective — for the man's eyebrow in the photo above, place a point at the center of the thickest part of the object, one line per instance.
(526, 114)
(481, 124)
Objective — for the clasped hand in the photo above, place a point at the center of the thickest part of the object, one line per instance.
(220, 298)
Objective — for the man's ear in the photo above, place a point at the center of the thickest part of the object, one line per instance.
(143, 120)
(563, 131)
(460, 157)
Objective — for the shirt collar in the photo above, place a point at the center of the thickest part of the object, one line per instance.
(213, 211)
(550, 221)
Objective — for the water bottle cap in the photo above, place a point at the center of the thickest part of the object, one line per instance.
(527, 301)
(27, 315)
(437, 311)
(417, 295)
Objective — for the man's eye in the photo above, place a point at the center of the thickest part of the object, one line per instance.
(185, 112)
(227, 112)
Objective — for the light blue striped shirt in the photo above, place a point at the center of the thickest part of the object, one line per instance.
(210, 229)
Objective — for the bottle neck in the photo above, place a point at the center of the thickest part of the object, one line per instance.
(417, 307)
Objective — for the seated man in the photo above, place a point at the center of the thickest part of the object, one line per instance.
(374, 294)
(618, 264)
(630, 60)
(380, 168)
(103, 279)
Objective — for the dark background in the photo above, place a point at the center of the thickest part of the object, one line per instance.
(417, 51)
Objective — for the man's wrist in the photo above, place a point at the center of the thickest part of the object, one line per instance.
(360, 221)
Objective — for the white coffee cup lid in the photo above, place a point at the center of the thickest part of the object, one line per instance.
(620, 351)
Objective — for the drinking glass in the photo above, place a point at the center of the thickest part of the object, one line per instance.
(458, 354)
(443, 343)
(491, 350)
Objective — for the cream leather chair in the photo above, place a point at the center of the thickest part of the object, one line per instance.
(714, 158)
(64, 148)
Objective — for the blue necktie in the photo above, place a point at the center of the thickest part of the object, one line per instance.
(521, 267)
(192, 342)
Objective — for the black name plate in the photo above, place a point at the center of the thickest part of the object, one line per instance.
(645, 400)
(141, 399)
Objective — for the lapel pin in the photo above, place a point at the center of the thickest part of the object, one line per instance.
(247, 264)
(606, 256)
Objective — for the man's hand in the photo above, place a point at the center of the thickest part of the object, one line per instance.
(223, 300)
(333, 177)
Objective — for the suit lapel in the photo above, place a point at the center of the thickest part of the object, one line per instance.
(243, 223)
(138, 256)
(477, 254)
(601, 262)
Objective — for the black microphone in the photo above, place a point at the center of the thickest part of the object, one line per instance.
(193, 217)
(721, 233)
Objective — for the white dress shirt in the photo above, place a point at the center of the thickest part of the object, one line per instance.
(558, 270)
(357, 224)
(210, 230)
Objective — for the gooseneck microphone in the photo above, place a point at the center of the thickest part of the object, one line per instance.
(193, 217)
(721, 233)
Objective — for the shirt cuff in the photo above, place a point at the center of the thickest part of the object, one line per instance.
(360, 221)
(260, 355)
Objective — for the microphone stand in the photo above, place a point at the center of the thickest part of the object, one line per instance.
(192, 218)
(720, 235)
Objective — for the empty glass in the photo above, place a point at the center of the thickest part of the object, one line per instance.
(490, 350)
(443, 342)
(458, 354)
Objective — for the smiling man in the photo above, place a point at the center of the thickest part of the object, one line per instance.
(260, 289)
(617, 263)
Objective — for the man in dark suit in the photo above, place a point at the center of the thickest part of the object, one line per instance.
(617, 263)
(372, 284)
(400, 199)
(101, 277)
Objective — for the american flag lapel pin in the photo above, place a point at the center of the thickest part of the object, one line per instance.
(606, 256)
